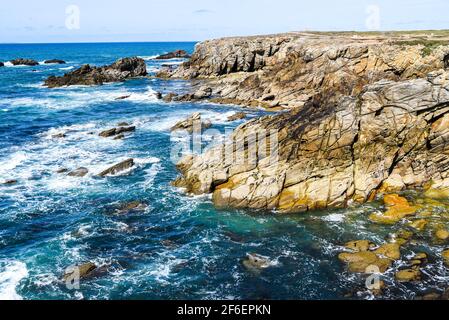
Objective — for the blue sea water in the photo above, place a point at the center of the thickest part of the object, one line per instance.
(180, 247)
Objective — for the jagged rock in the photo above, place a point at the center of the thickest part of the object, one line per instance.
(123, 124)
(24, 62)
(54, 61)
(256, 262)
(116, 131)
(59, 136)
(158, 95)
(191, 123)
(334, 152)
(124, 165)
(360, 246)
(174, 55)
(290, 69)
(169, 97)
(80, 172)
(62, 170)
(2, 64)
(408, 275)
(83, 271)
(123, 97)
(237, 116)
(9, 182)
(203, 93)
(120, 70)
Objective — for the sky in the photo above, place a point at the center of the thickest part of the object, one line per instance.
(48, 21)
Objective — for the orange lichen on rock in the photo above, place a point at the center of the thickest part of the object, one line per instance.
(398, 209)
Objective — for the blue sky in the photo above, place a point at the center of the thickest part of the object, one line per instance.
(192, 20)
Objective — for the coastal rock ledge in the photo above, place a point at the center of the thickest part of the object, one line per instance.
(119, 71)
(392, 136)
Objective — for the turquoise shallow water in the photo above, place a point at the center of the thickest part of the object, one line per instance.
(49, 221)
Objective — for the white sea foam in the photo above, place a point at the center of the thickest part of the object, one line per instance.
(8, 64)
(11, 273)
(67, 68)
(146, 58)
(334, 217)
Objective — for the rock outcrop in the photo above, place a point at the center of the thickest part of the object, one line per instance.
(289, 70)
(334, 150)
(86, 75)
(115, 169)
(191, 123)
(54, 61)
(24, 62)
(174, 55)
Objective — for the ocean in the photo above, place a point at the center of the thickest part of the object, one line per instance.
(179, 247)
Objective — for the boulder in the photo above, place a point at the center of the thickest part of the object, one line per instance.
(237, 116)
(62, 170)
(54, 61)
(192, 123)
(390, 250)
(120, 70)
(362, 262)
(408, 275)
(360, 246)
(256, 262)
(174, 55)
(24, 62)
(419, 225)
(2, 64)
(445, 255)
(442, 234)
(116, 131)
(398, 209)
(203, 93)
(122, 166)
(80, 172)
(169, 97)
(85, 270)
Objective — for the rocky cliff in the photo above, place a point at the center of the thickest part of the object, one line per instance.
(368, 116)
(288, 70)
(391, 137)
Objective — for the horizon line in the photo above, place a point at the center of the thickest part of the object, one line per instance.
(232, 36)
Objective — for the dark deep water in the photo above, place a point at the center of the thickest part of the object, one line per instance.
(49, 221)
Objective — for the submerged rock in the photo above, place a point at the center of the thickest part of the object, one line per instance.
(86, 75)
(122, 166)
(130, 207)
(80, 172)
(174, 55)
(398, 209)
(54, 61)
(24, 62)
